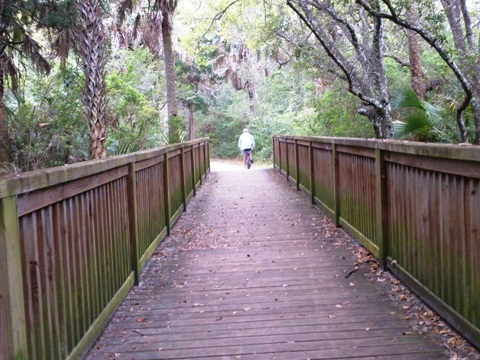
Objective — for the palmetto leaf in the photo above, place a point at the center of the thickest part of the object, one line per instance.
(417, 126)
(406, 98)
(421, 122)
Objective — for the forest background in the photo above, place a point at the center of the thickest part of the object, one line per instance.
(86, 79)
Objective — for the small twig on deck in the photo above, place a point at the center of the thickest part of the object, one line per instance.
(360, 263)
(351, 272)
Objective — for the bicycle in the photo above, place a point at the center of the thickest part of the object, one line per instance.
(248, 158)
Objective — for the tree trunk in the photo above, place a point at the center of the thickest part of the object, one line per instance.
(453, 12)
(4, 139)
(454, 17)
(91, 47)
(417, 81)
(169, 58)
(456, 11)
(383, 113)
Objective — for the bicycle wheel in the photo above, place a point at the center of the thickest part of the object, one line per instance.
(249, 161)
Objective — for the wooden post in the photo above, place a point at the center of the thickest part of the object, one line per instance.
(200, 162)
(279, 155)
(381, 206)
(205, 158)
(208, 155)
(312, 171)
(336, 184)
(13, 342)
(133, 220)
(297, 165)
(183, 179)
(288, 163)
(166, 192)
(273, 151)
(194, 178)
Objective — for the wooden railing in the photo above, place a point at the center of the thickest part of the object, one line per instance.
(415, 206)
(74, 239)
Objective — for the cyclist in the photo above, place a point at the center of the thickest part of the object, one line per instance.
(246, 143)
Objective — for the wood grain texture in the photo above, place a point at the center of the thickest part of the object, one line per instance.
(81, 238)
(416, 204)
(35, 180)
(13, 328)
(252, 270)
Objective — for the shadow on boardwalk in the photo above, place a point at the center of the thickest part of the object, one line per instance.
(253, 271)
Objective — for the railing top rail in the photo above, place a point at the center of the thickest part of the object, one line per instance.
(38, 179)
(447, 151)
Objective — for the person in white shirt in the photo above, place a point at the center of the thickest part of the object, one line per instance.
(246, 143)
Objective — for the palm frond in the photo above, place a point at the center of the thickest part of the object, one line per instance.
(421, 122)
(406, 98)
(433, 112)
(416, 126)
(62, 45)
(11, 71)
(32, 51)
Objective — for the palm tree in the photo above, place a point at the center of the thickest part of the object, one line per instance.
(159, 26)
(90, 48)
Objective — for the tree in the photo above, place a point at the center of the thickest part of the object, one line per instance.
(460, 23)
(159, 26)
(16, 41)
(46, 120)
(167, 9)
(189, 92)
(465, 67)
(354, 42)
(91, 48)
(133, 91)
(417, 81)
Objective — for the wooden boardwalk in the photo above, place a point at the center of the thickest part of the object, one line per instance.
(253, 271)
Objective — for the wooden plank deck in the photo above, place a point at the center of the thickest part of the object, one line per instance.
(253, 271)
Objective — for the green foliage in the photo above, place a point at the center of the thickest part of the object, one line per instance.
(178, 134)
(421, 121)
(337, 115)
(132, 90)
(224, 121)
(46, 124)
(239, 64)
